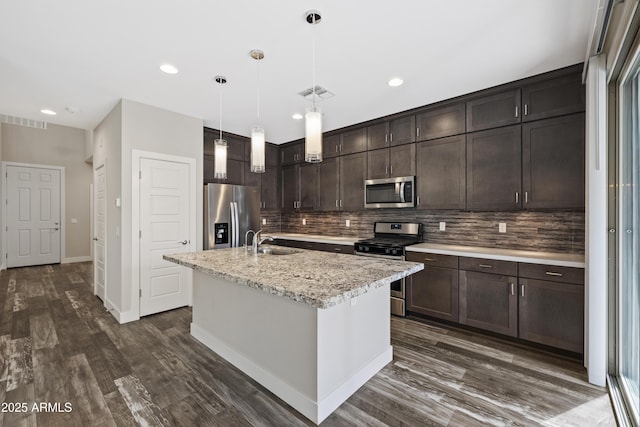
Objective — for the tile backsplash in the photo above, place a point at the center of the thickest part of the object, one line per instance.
(552, 231)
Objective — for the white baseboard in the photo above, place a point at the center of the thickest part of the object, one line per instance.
(125, 317)
(316, 411)
(76, 259)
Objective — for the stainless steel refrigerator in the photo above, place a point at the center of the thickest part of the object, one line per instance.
(229, 211)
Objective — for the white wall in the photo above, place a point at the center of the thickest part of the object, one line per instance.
(134, 126)
(58, 146)
(107, 148)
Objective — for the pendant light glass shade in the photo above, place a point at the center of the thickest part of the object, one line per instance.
(220, 165)
(313, 135)
(257, 150)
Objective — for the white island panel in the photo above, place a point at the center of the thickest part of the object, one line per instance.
(312, 358)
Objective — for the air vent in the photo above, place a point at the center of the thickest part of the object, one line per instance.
(321, 93)
(21, 121)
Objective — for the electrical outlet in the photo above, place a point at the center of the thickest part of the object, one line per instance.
(347, 223)
(502, 227)
(74, 220)
(304, 221)
(443, 226)
(264, 221)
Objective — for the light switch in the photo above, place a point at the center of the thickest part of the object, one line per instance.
(118, 202)
(74, 220)
(264, 221)
(304, 221)
(502, 227)
(347, 223)
(443, 226)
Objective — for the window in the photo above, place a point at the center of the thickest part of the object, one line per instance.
(628, 226)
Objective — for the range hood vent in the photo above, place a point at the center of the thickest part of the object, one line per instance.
(321, 93)
(21, 121)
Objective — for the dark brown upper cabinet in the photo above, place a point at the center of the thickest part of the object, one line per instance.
(292, 153)
(441, 122)
(271, 155)
(553, 163)
(378, 136)
(402, 130)
(290, 187)
(493, 111)
(308, 184)
(269, 195)
(353, 173)
(330, 146)
(391, 162)
(494, 169)
(440, 179)
(329, 184)
(553, 97)
(354, 141)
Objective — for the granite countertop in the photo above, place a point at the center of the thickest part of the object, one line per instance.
(532, 257)
(315, 238)
(319, 279)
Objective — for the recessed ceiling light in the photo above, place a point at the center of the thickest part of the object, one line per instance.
(396, 81)
(169, 69)
(297, 116)
(48, 112)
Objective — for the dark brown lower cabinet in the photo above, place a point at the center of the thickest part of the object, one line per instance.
(489, 301)
(434, 290)
(552, 313)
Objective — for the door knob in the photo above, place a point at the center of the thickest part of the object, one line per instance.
(56, 229)
(184, 242)
(95, 238)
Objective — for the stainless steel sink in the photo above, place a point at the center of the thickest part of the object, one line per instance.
(270, 250)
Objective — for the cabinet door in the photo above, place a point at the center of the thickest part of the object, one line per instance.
(236, 147)
(269, 189)
(552, 314)
(289, 184)
(494, 169)
(354, 141)
(554, 97)
(402, 160)
(208, 168)
(292, 153)
(235, 173)
(250, 178)
(433, 291)
(441, 173)
(272, 155)
(440, 122)
(553, 162)
(330, 146)
(493, 111)
(378, 163)
(328, 184)
(489, 301)
(377, 136)
(402, 130)
(308, 182)
(353, 172)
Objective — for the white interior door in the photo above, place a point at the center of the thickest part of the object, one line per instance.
(100, 225)
(33, 216)
(164, 229)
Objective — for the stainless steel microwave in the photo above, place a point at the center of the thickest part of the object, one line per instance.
(390, 193)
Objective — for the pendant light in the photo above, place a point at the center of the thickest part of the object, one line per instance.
(313, 116)
(220, 145)
(257, 132)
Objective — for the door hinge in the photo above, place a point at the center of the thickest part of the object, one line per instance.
(139, 174)
(140, 292)
(140, 234)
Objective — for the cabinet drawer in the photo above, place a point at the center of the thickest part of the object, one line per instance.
(552, 273)
(436, 260)
(491, 266)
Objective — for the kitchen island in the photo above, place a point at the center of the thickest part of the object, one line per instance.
(310, 326)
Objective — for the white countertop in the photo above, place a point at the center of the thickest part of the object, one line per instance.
(319, 279)
(316, 238)
(532, 257)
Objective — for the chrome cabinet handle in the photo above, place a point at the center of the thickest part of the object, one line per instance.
(429, 259)
(513, 290)
(485, 265)
(551, 273)
(526, 109)
(522, 291)
(516, 111)
(526, 197)
(390, 137)
(517, 197)
(340, 202)
(391, 170)
(385, 138)
(418, 131)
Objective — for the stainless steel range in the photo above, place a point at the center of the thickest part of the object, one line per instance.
(389, 241)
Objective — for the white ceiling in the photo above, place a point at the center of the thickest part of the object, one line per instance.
(89, 54)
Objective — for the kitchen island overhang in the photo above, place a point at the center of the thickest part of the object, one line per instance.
(312, 342)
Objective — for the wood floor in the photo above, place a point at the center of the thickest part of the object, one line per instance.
(59, 346)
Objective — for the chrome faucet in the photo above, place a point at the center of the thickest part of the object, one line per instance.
(246, 238)
(257, 241)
